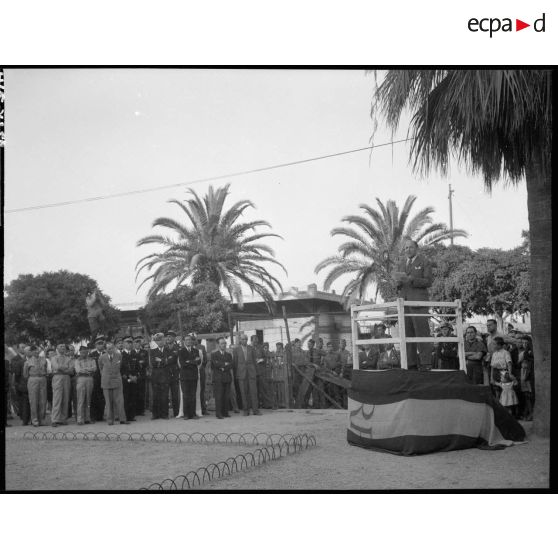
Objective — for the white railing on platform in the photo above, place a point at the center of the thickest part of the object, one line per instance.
(403, 339)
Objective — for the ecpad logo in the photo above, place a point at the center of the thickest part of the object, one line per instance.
(494, 24)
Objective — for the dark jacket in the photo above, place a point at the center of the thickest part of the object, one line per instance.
(160, 370)
(222, 366)
(420, 271)
(16, 368)
(188, 361)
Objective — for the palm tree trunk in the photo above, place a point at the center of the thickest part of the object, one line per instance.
(538, 176)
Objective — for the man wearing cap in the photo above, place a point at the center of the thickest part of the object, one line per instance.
(222, 367)
(111, 382)
(85, 367)
(143, 360)
(159, 378)
(413, 277)
(171, 351)
(97, 397)
(62, 370)
(130, 373)
(35, 370)
(119, 344)
(447, 353)
(188, 362)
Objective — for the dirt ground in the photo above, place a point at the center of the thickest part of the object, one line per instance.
(332, 465)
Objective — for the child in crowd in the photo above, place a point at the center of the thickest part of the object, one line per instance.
(508, 398)
(501, 364)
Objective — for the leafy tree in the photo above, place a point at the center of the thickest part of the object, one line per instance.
(499, 124)
(202, 308)
(211, 245)
(375, 243)
(52, 306)
(487, 284)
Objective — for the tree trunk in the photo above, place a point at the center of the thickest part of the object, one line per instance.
(539, 204)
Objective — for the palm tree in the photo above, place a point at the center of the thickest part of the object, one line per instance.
(211, 245)
(499, 123)
(375, 243)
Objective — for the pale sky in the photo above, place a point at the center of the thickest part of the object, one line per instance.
(73, 134)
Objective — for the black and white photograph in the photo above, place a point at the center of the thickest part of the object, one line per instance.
(276, 279)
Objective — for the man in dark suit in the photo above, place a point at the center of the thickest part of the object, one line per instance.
(159, 378)
(143, 360)
(222, 367)
(97, 396)
(171, 351)
(130, 374)
(188, 363)
(413, 277)
(245, 368)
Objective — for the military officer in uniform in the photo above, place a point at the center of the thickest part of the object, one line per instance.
(130, 373)
(171, 351)
(97, 396)
(143, 361)
(159, 378)
(222, 367)
(188, 362)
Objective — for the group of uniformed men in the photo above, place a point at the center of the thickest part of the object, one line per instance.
(119, 379)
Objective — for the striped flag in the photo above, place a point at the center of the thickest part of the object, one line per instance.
(409, 413)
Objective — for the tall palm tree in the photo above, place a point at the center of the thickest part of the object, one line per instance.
(375, 243)
(211, 245)
(499, 123)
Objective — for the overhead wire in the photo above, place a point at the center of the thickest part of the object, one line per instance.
(200, 180)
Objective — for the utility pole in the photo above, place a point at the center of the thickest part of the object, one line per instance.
(451, 212)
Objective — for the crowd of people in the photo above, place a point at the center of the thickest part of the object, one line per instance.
(168, 376)
(505, 362)
(171, 376)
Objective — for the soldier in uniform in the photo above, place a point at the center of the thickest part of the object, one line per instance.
(171, 352)
(97, 396)
(85, 367)
(143, 361)
(159, 378)
(316, 356)
(62, 371)
(332, 363)
(130, 373)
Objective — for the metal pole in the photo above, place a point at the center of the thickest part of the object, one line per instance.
(450, 212)
(402, 333)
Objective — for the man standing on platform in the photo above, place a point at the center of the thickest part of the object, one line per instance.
(142, 360)
(188, 363)
(171, 352)
(97, 397)
(245, 367)
(130, 374)
(413, 277)
(222, 367)
(159, 378)
(111, 381)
